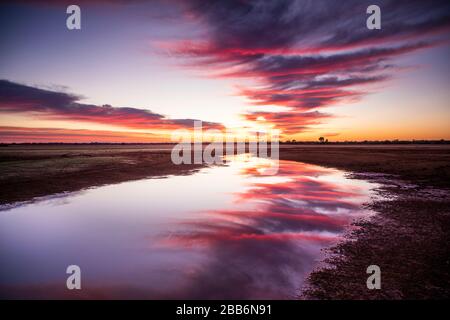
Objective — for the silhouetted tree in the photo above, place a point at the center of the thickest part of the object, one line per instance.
(321, 139)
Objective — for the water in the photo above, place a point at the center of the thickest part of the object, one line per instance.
(223, 232)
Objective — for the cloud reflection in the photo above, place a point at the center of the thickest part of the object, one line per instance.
(240, 234)
(266, 250)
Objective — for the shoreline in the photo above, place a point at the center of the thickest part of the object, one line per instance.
(32, 172)
(407, 237)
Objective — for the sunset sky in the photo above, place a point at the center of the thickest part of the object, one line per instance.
(137, 70)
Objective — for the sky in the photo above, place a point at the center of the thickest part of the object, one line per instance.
(138, 70)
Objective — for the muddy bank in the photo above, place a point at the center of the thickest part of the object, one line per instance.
(33, 171)
(408, 238)
(425, 165)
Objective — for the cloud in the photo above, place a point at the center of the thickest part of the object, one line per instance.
(308, 55)
(39, 135)
(291, 122)
(53, 105)
(261, 26)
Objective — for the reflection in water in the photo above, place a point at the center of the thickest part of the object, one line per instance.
(224, 232)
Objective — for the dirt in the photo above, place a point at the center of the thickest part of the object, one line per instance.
(409, 236)
(27, 172)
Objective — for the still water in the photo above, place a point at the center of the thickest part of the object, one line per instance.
(223, 232)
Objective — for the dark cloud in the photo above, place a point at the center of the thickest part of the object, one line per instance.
(309, 54)
(280, 24)
(48, 104)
